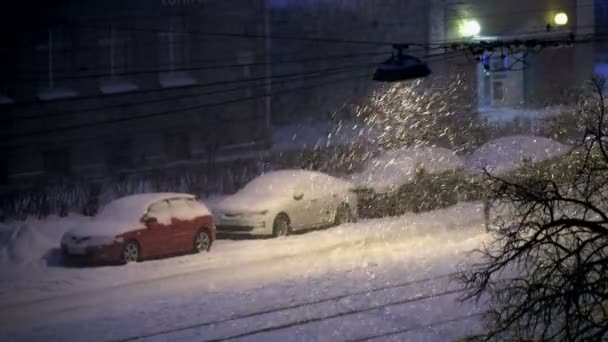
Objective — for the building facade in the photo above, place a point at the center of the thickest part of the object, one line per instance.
(92, 89)
(519, 83)
(338, 64)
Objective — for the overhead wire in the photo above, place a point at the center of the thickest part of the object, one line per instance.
(189, 108)
(255, 80)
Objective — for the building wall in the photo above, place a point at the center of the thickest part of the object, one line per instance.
(360, 20)
(128, 44)
(549, 75)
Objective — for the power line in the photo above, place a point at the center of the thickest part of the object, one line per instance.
(176, 111)
(312, 73)
(182, 110)
(346, 68)
(207, 67)
(194, 86)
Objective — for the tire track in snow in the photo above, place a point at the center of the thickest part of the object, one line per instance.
(304, 304)
(418, 327)
(338, 315)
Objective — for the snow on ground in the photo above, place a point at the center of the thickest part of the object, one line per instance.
(508, 153)
(370, 259)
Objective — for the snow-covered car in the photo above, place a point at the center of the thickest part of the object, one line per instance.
(142, 226)
(280, 202)
(391, 169)
(509, 153)
(383, 176)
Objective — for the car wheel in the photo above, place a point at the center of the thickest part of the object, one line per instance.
(130, 252)
(202, 241)
(343, 214)
(281, 226)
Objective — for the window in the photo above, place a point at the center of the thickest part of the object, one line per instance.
(182, 209)
(55, 55)
(57, 162)
(498, 92)
(116, 56)
(174, 54)
(116, 50)
(161, 212)
(177, 146)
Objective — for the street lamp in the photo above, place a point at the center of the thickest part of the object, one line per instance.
(560, 19)
(401, 67)
(470, 28)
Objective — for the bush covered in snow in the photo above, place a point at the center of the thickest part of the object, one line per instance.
(86, 197)
(427, 192)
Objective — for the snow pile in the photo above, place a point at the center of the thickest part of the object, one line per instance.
(397, 167)
(31, 241)
(509, 153)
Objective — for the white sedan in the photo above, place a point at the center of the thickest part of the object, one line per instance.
(280, 202)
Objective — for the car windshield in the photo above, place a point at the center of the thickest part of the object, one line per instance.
(272, 184)
(120, 210)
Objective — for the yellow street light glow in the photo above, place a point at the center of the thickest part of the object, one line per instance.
(470, 28)
(561, 19)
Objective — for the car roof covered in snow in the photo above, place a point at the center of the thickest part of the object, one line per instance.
(134, 206)
(287, 180)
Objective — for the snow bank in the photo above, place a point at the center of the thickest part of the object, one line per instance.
(508, 153)
(30, 241)
(397, 167)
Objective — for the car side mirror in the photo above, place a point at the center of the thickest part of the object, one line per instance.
(298, 196)
(150, 221)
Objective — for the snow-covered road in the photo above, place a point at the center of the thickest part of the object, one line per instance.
(378, 277)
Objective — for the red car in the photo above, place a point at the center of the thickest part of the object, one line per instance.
(140, 227)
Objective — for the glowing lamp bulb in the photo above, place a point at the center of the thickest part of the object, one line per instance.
(561, 19)
(470, 28)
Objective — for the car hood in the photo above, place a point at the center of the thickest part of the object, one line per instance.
(248, 203)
